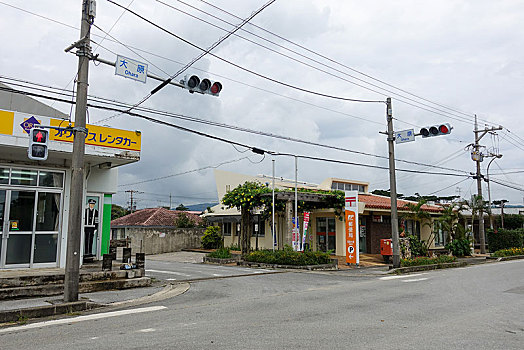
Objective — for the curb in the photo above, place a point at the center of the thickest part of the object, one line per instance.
(332, 266)
(45, 311)
(402, 270)
(506, 258)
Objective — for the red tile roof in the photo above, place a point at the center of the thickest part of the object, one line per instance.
(153, 217)
(380, 202)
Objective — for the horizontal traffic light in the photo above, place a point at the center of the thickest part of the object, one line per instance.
(436, 130)
(38, 139)
(205, 86)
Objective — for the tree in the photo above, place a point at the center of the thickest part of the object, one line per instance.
(182, 207)
(475, 205)
(416, 213)
(118, 211)
(451, 221)
(246, 197)
(183, 220)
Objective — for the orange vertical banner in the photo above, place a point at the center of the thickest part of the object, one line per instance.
(351, 219)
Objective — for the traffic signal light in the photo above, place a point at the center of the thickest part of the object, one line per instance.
(204, 86)
(38, 139)
(436, 130)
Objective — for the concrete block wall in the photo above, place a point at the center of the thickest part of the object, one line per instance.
(164, 240)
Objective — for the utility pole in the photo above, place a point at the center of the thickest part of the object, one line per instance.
(72, 266)
(132, 202)
(393, 185)
(479, 134)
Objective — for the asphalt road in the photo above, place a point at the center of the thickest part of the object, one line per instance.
(171, 271)
(479, 307)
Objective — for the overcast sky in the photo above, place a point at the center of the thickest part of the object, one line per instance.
(452, 59)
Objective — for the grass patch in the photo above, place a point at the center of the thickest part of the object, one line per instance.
(220, 253)
(508, 252)
(423, 260)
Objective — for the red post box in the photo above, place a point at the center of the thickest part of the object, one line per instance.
(386, 248)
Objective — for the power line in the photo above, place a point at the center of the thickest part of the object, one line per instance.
(445, 188)
(330, 59)
(309, 58)
(194, 60)
(246, 69)
(286, 138)
(184, 172)
(217, 138)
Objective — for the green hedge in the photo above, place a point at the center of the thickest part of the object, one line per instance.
(505, 239)
(423, 260)
(508, 252)
(288, 257)
(212, 238)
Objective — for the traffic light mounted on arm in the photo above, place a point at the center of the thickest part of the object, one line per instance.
(204, 86)
(436, 130)
(38, 139)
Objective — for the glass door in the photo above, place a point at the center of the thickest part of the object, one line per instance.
(21, 213)
(30, 227)
(3, 226)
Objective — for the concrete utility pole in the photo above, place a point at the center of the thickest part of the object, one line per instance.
(72, 267)
(393, 185)
(479, 134)
(132, 202)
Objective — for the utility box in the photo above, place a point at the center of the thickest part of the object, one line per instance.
(386, 248)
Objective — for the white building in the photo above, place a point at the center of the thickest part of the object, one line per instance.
(34, 195)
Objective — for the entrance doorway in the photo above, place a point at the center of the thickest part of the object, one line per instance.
(30, 220)
(326, 234)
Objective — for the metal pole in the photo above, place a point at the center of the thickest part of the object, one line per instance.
(72, 266)
(393, 185)
(273, 207)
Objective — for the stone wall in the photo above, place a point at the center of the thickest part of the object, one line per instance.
(163, 240)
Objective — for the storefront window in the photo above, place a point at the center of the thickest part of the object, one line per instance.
(50, 179)
(4, 176)
(45, 248)
(48, 209)
(21, 211)
(24, 177)
(18, 249)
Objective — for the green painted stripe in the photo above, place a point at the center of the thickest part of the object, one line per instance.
(106, 226)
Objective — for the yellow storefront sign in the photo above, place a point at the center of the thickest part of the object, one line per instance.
(6, 122)
(99, 136)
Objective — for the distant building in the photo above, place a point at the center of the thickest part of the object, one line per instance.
(326, 229)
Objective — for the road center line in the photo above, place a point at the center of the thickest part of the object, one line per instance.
(385, 278)
(415, 279)
(82, 318)
(169, 272)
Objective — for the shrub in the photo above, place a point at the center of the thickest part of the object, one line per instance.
(288, 257)
(418, 247)
(508, 252)
(212, 238)
(234, 246)
(423, 260)
(505, 239)
(220, 253)
(459, 247)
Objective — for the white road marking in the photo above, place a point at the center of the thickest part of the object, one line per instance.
(217, 275)
(170, 272)
(385, 278)
(415, 280)
(82, 318)
(170, 279)
(147, 330)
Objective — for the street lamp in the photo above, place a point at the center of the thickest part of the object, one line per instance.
(497, 156)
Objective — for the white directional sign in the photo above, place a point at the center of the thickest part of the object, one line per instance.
(404, 136)
(132, 69)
